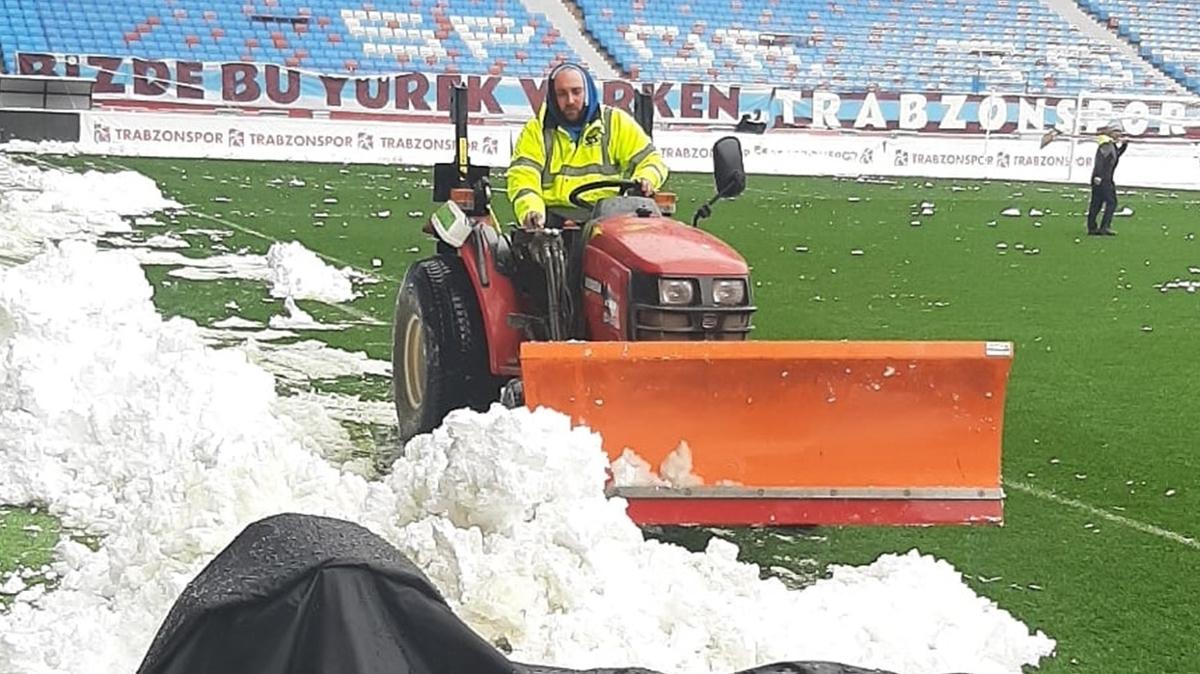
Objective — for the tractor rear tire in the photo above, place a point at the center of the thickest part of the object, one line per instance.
(439, 348)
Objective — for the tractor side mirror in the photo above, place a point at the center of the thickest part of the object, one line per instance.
(728, 170)
(729, 173)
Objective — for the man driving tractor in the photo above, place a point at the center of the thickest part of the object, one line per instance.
(573, 141)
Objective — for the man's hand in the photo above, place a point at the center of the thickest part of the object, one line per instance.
(534, 220)
(647, 188)
(1096, 181)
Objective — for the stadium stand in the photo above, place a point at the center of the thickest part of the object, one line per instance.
(1165, 32)
(848, 45)
(841, 45)
(335, 36)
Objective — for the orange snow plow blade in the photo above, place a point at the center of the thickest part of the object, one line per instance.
(789, 433)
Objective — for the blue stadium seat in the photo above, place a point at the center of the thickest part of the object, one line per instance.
(1166, 31)
(843, 45)
(335, 36)
(1005, 45)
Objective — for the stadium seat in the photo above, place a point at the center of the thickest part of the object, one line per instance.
(1006, 46)
(1166, 32)
(324, 35)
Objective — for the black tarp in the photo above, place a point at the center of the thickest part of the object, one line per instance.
(36, 126)
(299, 594)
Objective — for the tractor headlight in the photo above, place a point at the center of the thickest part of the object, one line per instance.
(728, 291)
(675, 291)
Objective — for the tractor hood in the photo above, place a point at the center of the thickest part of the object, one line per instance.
(665, 247)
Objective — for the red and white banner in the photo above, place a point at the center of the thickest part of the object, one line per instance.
(419, 96)
(1168, 165)
(284, 139)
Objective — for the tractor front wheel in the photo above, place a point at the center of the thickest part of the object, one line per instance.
(439, 349)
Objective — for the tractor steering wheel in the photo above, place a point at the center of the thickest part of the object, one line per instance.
(627, 187)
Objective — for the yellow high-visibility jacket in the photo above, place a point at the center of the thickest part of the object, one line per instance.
(547, 164)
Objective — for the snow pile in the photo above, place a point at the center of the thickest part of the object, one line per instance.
(38, 204)
(631, 470)
(343, 407)
(130, 426)
(1187, 285)
(304, 361)
(13, 585)
(292, 271)
(297, 272)
(252, 267)
(299, 319)
(236, 322)
(168, 240)
(53, 147)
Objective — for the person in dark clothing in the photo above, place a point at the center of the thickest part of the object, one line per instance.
(1110, 146)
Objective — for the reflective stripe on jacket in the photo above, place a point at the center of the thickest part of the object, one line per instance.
(613, 146)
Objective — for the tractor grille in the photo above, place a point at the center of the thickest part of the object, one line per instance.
(658, 323)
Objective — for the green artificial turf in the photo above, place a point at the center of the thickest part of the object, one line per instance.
(27, 539)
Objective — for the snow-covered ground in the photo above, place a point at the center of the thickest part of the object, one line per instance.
(136, 429)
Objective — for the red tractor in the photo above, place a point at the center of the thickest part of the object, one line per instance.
(620, 269)
(635, 325)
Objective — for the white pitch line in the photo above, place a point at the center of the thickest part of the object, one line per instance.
(1143, 527)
